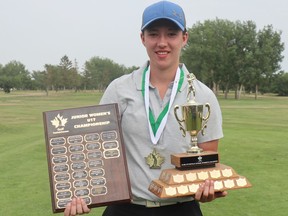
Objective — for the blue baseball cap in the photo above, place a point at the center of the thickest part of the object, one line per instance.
(164, 10)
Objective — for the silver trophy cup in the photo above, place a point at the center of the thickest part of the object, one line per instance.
(192, 120)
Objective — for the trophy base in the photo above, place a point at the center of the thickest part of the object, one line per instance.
(178, 183)
(184, 161)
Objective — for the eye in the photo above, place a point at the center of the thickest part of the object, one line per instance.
(152, 34)
(172, 34)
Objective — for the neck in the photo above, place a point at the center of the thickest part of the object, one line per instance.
(161, 79)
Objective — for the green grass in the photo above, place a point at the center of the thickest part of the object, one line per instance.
(24, 183)
(255, 145)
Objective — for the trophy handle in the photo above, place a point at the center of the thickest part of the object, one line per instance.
(208, 112)
(205, 119)
(179, 121)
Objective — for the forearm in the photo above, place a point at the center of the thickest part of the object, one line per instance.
(210, 145)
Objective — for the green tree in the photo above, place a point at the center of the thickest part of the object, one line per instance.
(70, 78)
(14, 75)
(100, 72)
(65, 70)
(41, 81)
(281, 84)
(268, 56)
(210, 51)
(244, 62)
(75, 77)
(233, 55)
(53, 76)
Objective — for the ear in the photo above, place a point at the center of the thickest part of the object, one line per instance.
(142, 38)
(185, 39)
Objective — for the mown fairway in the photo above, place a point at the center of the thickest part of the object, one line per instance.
(255, 145)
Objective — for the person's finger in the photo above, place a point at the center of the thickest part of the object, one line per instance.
(84, 206)
(73, 210)
(206, 191)
(67, 210)
(211, 195)
(199, 192)
(79, 208)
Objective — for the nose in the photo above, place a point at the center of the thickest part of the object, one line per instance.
(162, 42)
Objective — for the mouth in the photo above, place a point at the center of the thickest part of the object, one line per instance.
(162, 53)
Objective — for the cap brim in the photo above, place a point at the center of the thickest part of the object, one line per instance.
(167, 18)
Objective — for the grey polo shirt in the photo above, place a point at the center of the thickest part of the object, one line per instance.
(126, 91)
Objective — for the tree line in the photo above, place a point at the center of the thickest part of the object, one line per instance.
(96, 75)
(235, 56)
(225, 55)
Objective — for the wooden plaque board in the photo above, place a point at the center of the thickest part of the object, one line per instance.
(86, 156)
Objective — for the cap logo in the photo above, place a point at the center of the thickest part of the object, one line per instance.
(178, 15)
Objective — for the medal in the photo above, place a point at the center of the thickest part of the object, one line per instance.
(154, 160)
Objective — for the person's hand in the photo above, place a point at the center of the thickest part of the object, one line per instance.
(76, 207)
(206, 193)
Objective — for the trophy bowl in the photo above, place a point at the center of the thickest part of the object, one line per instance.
(193, 121)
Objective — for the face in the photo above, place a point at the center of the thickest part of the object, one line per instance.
(164, 41)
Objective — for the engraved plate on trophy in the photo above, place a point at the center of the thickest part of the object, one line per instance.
(86, 156)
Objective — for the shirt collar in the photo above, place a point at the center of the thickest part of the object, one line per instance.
(139, 73)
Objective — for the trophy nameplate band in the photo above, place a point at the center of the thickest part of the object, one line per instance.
(176, 183)
(163, 190)
(184, 161)
(174, 176)
(86, 156)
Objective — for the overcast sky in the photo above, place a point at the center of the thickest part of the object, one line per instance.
(39, 32)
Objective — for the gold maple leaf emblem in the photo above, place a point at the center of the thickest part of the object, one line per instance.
(59, 121)
(155, 160)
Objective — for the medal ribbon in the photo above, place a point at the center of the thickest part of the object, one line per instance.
(156, 127)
